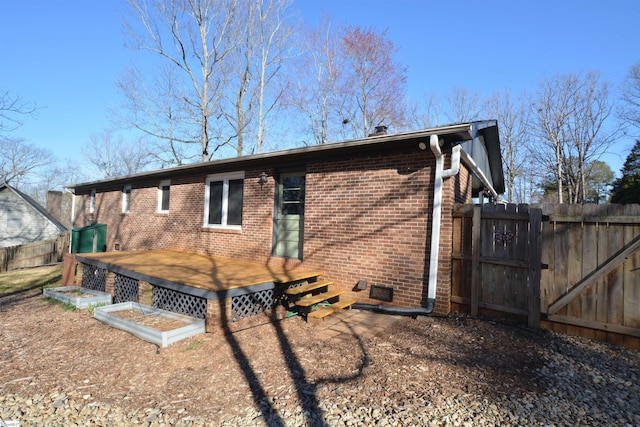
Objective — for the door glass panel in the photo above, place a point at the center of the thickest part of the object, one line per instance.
(293, 195)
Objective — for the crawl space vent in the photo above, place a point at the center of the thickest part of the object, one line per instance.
(381, 293)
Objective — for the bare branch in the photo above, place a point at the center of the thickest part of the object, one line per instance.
(12, 110)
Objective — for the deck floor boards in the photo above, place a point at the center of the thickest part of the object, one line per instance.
(200, 271)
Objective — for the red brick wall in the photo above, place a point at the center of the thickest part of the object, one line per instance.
(366, 218)
(462, 186)
(181, 229)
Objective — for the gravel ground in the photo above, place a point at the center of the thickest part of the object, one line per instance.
(64, 368)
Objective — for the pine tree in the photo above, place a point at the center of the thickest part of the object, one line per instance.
(626, 189)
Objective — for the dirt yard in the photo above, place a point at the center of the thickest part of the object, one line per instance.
(420, 366)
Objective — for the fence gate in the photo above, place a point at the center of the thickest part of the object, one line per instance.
(496, 259)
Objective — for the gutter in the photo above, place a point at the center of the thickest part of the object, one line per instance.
(479, 174)
(436, 221)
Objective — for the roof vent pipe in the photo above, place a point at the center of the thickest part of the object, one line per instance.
(436, 220)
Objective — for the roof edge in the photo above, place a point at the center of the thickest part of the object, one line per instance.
(452, 132)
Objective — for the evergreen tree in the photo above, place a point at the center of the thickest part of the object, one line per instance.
(626, 189)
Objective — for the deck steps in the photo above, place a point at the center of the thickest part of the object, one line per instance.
(310, 300)
(308, 287)
(315, 300)
(322, 312)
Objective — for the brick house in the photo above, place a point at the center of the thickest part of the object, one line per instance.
(359, 211)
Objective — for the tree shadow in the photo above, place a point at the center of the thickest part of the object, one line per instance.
(258, 393)
(306, 389)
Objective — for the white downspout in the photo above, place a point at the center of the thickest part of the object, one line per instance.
(440, 174)
(73, 214)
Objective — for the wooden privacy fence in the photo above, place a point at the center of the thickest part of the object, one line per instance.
(496, 259)
(34, 254)
(577, 266)
(592, 285)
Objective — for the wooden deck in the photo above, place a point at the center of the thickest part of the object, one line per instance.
(210, 273)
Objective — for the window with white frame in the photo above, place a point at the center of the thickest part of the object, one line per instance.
(223, 200)
(92, 202)
(126, 198)
(163, 196)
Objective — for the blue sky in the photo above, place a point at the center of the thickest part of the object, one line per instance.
(66, 55)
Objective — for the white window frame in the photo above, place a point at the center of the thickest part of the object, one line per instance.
(225, 178)
(92, 202)
(126, 199)
(164, 183)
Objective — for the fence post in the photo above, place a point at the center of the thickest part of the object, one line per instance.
(535, 248)
(3, 259)
(475, 258)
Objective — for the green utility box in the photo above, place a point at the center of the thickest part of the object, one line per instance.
(92, 238)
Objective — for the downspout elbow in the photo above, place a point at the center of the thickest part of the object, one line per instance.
(434, 143)
(455, 163)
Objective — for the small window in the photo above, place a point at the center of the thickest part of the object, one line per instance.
(92, 202)
(126, 198)
(224, 196)
(163, 196)
(14, 220)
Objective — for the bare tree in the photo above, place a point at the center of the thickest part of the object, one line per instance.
(12, 110)
(570, 112)
(586, 130)
(194, 38)
(552, 110)
(629, 110)
(374, 90)
(55, 176)
(513, 120)
(262, 33)
(464, 106)
(426, 114)
(274, 33)
(155, 105)
(317, 74)
(112, 157)
(20, 160)
(217, 86)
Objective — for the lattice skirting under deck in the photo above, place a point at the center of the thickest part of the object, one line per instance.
(125, 289)
(178, 302)
(94, 278)
(251, 304)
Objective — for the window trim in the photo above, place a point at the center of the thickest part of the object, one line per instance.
(92, 201)
(166, 182)
(126, 199)
(225, 178)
